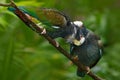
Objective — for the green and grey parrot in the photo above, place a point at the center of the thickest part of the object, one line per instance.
(56, 23)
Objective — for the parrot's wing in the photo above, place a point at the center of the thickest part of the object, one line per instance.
(96, 37)
(48, 18)
(53, 17)
(98, 48)
(100, 44)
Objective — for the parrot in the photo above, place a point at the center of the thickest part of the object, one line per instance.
(89, 51)
(55, 23)
(83, 42)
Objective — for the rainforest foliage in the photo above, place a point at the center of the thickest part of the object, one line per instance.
(24, 55)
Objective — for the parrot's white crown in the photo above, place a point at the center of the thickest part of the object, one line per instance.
(78, 23)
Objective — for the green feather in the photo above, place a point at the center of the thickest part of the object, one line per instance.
(25, 10)
(45, 17)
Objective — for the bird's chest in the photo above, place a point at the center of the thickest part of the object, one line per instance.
(87, 53)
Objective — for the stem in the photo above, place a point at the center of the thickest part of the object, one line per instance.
(8, 61)
(6, 5)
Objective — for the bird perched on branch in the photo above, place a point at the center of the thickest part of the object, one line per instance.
(83, 43)
(54, 22)
(89, 51)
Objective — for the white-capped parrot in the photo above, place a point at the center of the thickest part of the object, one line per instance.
(89, 51)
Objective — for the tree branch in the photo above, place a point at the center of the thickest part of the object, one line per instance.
(5, 5)
(38, 30)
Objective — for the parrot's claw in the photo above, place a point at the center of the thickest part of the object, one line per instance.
(44, 31)
(28, 16)
(88, 69)
(76, 58)
(57, 44)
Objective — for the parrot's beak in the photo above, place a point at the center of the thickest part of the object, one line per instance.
(79, 42)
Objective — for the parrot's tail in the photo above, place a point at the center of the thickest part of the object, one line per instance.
(80, 73)
(24, 10)
(12, 9)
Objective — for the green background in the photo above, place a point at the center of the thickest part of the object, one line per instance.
(24, 55)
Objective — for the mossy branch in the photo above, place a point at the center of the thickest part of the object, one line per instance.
(38, 30)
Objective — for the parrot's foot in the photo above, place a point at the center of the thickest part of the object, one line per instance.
(76, 58)
(28, 16)
(88, 69)
(57, 44)
(44, 31)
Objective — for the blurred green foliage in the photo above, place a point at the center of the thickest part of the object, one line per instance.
(24, 55)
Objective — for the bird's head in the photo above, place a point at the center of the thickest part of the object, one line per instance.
(78, 24)
(80, 37)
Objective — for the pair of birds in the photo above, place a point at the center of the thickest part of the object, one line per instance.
(83, 42)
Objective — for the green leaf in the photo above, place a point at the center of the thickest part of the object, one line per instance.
(8, 57)
(30, 3)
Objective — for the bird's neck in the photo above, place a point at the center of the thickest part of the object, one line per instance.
(70, 32)
(84, 30)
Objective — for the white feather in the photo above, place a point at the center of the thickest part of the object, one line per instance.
(78, 23)
(57, 27)
(82, 40)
